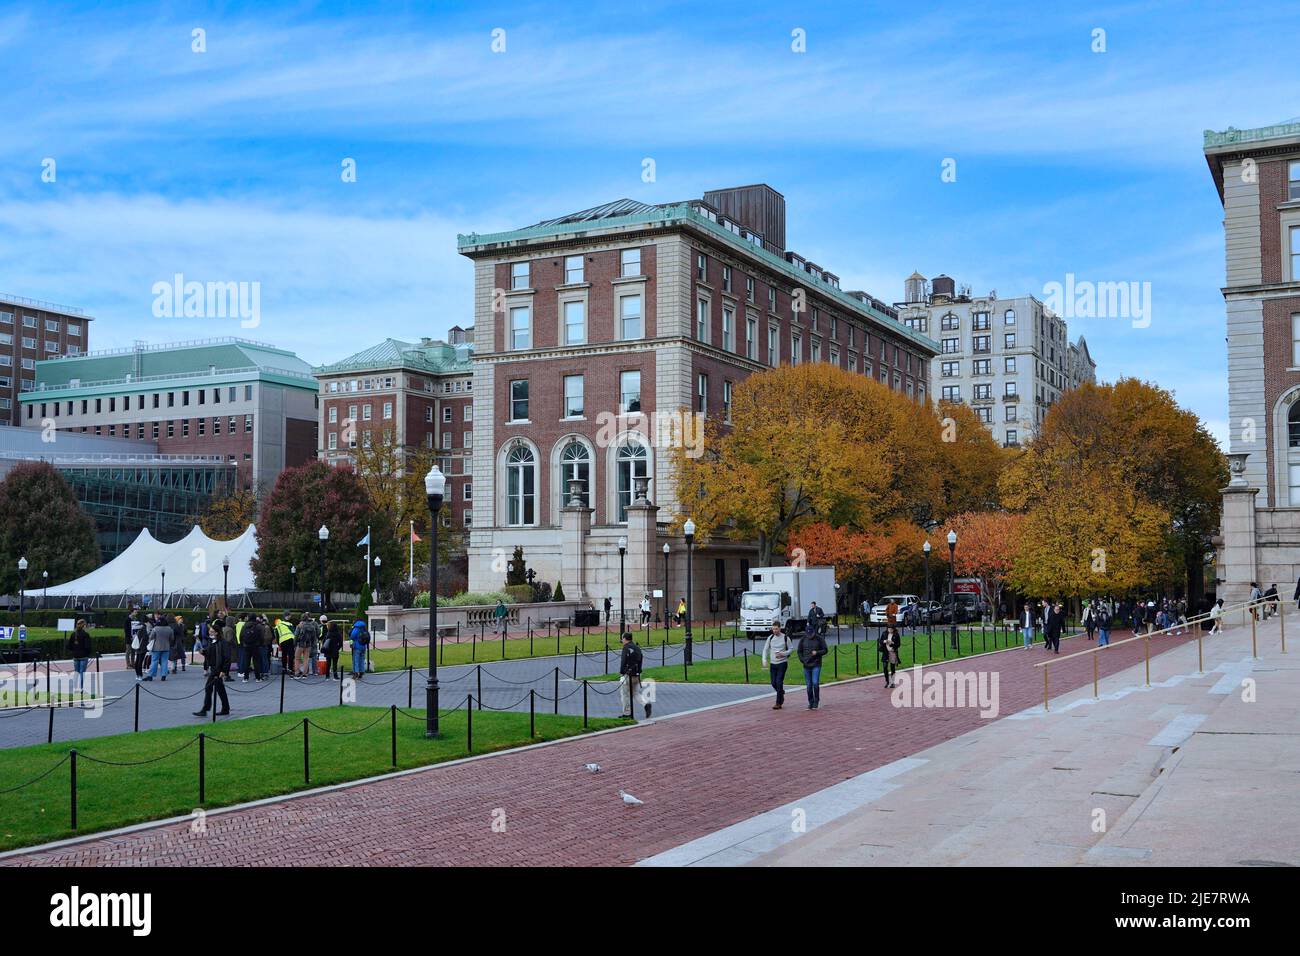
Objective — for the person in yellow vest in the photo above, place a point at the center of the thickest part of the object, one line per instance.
(284, 637)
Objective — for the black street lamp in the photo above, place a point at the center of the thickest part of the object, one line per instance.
(929, 611)
(689, 530)
(376, 589)
(434, 485)
(22, 597)
(952, 583)
(225, 583)
(45, 588)
(324, 535)
(622, 613)
(162, 589)
(293, 580)
(666, 551)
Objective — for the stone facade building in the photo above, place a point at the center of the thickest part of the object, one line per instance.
(1257, 175)
(595, 333)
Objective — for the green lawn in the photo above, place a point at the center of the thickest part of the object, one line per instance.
(111, 796)
(842, 660)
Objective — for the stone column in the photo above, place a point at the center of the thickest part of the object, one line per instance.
(642, 543)
(1238, 561)
(575, 525)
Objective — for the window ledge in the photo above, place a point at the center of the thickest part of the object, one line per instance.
(518, 421)
(628, 280)
(572, 286)
(574, 418)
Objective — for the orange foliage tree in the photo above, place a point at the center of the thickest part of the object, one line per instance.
(987, 543)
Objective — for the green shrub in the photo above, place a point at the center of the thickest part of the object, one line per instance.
(559, 591)
(470, 598)
(518, 593)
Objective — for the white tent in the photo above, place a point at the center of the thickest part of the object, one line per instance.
(193, 566)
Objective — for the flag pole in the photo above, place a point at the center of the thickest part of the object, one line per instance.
(367, 558)
(410, 573)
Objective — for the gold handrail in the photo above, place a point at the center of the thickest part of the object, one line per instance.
(1245, 606)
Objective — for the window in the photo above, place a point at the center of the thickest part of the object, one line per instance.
(726, 278)
(749, 289)
(950, 347)
(573, 407)
(773, 347)
(51, 346)
(952, 393)
(984, 414)
(518, 275)
(1292, 181)
(631, 463)
(629, 393)
(248, 393)
(816, 350)
(701, 267)
(29, 321)
(171, 429)
(984, 391)
(468, 493)
(446, 441)
(1009, 340)
(1009, 317)
(1011, 437)
(1011, 413)
(950, 369)
(469, 518)
(231, 394)
(702, 394)
(751, 338)
(216, 425)
(980, 343)
(1295, 253)
(726, 402)
(1009, 364)
(428, 413)
(521, 327)
(155, 431)
(796, 349)
(702, 319)
(1009, 388)
(467, 439)
(771, 298)
(982, 367)
(950, 323)
(980, 322)
(572, 269)
(365, 413)
(629, 311)
(575, 323)
(334, 441)
(521, 486)
(248, 423)
(519, 400)
(728, 327)
(231, 421)
(629, 262)
(388, 411)
(467, 413)
(29, 343)
(575, 465)
(203, 426)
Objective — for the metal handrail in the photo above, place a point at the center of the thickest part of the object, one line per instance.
(1244, 607)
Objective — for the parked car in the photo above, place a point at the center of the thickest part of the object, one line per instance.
(908, 609)
(928, 612)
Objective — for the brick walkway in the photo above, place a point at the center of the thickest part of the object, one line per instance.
(696, 774)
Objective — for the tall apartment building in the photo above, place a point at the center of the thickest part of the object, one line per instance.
(250, 402)
(594, 329)
(1009, 359)
(421, 394)
(30, 331)
(1257, 175)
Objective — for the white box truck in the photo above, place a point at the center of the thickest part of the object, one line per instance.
(784, 595)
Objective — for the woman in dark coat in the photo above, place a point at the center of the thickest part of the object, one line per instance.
(889, 642)
(178, 643)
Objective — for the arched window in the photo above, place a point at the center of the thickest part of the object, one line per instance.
(521, 486)
(1293, 426)
(632, 462)
(575, 462)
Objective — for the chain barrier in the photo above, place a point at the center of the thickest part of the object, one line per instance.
(138, 763)
(66, 758)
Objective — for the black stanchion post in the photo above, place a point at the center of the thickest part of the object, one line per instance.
(745, 652)
(473, 653)
(281, 690)
(306, 752)
(48, 696)
(606, 658)
(503, 639)
(478, 671)
(857, 659)
(575, 661)
(530, 638)
(203, 767)
(557, 690)
(393, 712)
(584, 703)
(404, 661)
(137, 708)
(50, 737)
(836, 658)
(532, 713)
(410, 686)
(469, 722)
(73, 755)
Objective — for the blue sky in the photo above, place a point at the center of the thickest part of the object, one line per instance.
(225, 165)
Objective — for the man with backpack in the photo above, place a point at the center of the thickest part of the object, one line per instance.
(629, 679)
(360, 638)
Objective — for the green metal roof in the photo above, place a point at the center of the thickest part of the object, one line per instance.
(1234, 137)
(151, 367)
(685, 213)
(437, 358)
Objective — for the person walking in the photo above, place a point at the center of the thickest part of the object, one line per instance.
(160, 646)
(499, 617)
(332, 647)
(250, 646)
(629, 676)
(217, 657)
(305, 637)
(1101, 618)
(286, 640)
(888, 643)
(1255, 597)
(1027, 623)
(360, 638)
(138, 644)
(816, 616)
(1216, 617)
(79, 648)
(645, 610)
(812, 648)
(178, 644)
(776, 657)
(681, 609)
(609, 604)
(1089, 618)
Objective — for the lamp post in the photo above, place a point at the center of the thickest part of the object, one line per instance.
(162, 589)
(225, 583)
(952, 583)
(929, 611)
(324, 535)
(622, 613)
(688, 530)
(666, 550)
(434, 485)
(293, 580)
(45, 588)
(22, 598)
(377, 564)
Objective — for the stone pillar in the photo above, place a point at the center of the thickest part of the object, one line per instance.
(642, 545)
(1238, 564)
(575, 525)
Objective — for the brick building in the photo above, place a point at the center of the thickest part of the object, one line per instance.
(594, 329)
(420, 394)
(1257, 175)
(252, 403)
(29, 332)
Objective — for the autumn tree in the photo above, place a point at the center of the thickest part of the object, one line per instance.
(970, 462)
(883, 557)
(228, 516)
(987, 544)
(303, 499)
(810, 443)
(393, 478)
(41, 520)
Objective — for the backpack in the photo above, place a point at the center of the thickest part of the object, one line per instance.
(636, 658)
(363, 637)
